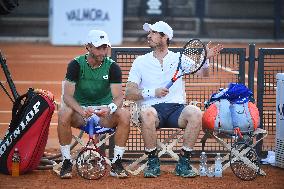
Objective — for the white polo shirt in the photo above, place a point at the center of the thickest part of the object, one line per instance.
(148, 73)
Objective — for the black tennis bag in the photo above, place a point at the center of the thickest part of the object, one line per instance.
(7, 6)
(28, 130)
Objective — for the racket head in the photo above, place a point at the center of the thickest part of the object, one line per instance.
(192, 57)
(91, 164)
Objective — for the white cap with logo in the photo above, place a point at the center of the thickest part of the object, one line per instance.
(98, 38)
(160, 27)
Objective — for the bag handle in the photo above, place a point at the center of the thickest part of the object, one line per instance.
(18, 108)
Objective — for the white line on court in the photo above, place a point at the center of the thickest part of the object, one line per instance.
(246, 76)
(51, 124)
(55, 56)
(5, 111)
(9, 111)
(227, 69)
(36, 82)
(41, 62)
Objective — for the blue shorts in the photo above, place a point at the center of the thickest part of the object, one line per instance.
(168, 114)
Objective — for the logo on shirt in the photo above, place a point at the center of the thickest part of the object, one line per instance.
(105, 77)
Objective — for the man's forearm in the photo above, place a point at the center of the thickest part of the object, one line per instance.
(118, 100)
(132, 92)
(73, 104)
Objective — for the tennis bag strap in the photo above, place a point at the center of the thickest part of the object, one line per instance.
(28, 130)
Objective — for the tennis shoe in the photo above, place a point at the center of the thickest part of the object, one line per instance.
(66, 169)
(117, 169)
(184, 169)
(153, 168)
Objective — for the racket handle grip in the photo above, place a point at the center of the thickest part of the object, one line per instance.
(91, 127)
(169, 84)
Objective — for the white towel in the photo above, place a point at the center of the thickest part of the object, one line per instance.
(270, 159)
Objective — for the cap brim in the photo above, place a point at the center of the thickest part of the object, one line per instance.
(102, 43)
(147, 27)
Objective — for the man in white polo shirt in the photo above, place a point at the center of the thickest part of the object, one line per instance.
(149, 75)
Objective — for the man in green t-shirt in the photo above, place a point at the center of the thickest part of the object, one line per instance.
(93, 80)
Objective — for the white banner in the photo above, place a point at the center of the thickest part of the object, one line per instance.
(71, 20)
(280, 107)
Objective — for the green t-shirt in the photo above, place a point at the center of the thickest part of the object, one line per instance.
(93, 87)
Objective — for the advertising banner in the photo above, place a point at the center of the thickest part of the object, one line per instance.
(71, 20)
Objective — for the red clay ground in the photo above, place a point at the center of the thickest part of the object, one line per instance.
(41, 65)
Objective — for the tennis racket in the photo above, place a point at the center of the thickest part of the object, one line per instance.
(90, 162)
(192, 58)
(9, 79)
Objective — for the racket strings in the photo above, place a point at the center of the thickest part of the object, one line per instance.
(192, 57)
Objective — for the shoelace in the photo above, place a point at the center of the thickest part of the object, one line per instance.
(66, 165)
(186, 163)
(118, 164)
(66, 162)
(152, 163)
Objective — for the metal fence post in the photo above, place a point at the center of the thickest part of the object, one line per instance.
(277, 19)
(200, 12)
(251, 60)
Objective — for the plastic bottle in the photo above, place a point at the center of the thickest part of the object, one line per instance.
(218, 166)
(16, 163)
(203, 164)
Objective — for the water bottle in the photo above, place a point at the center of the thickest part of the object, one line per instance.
(203, 164)
(218, 165)
(16, 163)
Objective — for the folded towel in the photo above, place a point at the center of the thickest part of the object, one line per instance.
(270, 159)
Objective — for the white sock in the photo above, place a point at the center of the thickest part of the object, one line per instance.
(150, 149)
(188, 149)
(65, 151)
(118, 153)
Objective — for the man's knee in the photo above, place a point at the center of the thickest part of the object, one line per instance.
(123, 117)
(77, 120)
(191, 114)
(64, 115)
(193, 111)
(149, 116)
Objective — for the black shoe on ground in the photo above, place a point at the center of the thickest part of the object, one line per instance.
(184, 169)
(117, 169)
(66, 169)
(153, 168)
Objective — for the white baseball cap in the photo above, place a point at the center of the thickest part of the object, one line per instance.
(98, 38)
(160, 27)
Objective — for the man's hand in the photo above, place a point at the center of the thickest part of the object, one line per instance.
(88, 112)
(211, 52)
(161, 92)
(102, 112)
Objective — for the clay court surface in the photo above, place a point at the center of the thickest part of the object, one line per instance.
(41, 65)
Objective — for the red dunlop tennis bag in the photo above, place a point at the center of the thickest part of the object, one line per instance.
(28, 130)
